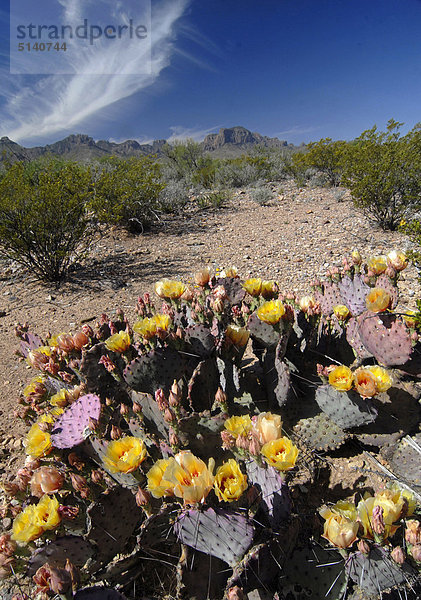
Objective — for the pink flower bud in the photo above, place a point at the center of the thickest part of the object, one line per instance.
(137, 408)
(7, 545)
(68, 512)
(377, 521)
(80, 339)
(363, 547)
(74, 574)
(116, 432)
(80, 485)
(416, 552)
(160, 399)
(173, 438)
(87, 330)
(228, 440)
(220, 397)
(235, 593)
(168, 415)
(75, 461)
(46, 480)
(398, 555)
(124, 409)
(11, 488)
(23, 477)
(413, 532)
(143, 497)
(97, 476)
(65, 342)
(106, 362)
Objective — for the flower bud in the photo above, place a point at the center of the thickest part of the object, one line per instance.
(46, 480)
(124, 409)
(143, 497)
(106, 362)
(235, 593)
(97, 476)
(218, 305)
(416, 552)
(65, 342)
(202, 277)
(60, 580)
(11, 488)
(80, 339)
(228, 440)
(363, 547)
(68, 513)
(398, 555)
(168, 415)
(377, 521)
(160, 399)
(397, 260)
(75, 461)
(87, 330)
(173, 438)
(116, 432)
(7, 545)
(188, 294)
(413, 532)
(5, 566)
(306, 303)
(23, 477)
(356, 257)
(137, 408)
(220, 397)
(80, 485)
(74, 574)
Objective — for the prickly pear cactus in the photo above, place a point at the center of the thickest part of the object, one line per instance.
(218, 532)
(274, 493)
(346, 409)
(320, 433)
(75, 424)
(353, 293)
(157, 369)
(386, 337)
(69, 547)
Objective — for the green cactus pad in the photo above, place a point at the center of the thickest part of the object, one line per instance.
(72, 547)
(346, 409)
(376, 571)
(386, 336)
(155, 370)
(320, 433)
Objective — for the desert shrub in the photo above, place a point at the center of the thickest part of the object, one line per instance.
(44, 223)
(127, 192)
(383, 172)
(325, 156)
(174, 196)
(187, 160)
(213, 199)
(237, 172)
(261, 194)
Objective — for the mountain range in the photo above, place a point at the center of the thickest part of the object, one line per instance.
(232, 141)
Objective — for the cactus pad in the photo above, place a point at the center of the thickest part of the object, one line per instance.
(386, 336)
(346, 409)
(155, 370)
(315, 573)
(95, 374)
(151, 413)
(320, 433)
(405, 460)
(386, 284)
(275, 498)
(226, 535)
(201, 340)
(74, 425)
(263, 333)
(354, 339)
(329, 297)
(203, 385)
(111, 521)
(233, 289)
(30, 341)
(354, 292)
(71, 547)
(376, 571)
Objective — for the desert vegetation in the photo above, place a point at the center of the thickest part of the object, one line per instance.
(185, 453)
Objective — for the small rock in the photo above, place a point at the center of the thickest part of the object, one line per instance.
(411, 293)
(7, 522)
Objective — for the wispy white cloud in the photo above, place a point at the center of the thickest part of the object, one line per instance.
(39, 107)
(184, 133)
(297, 130)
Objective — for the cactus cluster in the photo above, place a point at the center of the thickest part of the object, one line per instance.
(179, 435)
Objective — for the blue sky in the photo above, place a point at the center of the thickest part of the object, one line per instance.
(296, 69)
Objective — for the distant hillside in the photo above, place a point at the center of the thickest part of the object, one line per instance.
(228, 142)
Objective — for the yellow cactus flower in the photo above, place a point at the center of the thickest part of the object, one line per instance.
(157, 485)
(268, 427)
(269, 289)
(192, 479)
(281, 454)
(341, 378)
(146, 327)
(410, 318)
(239, 336)
(382, 377)
(392, 505)
(398, 260)
(365, 383)
(377, 264)
(25, 528)
(162, 321)
(306, 303)
(60, 399)
(119, 342)
(271, 312)
(377, 300)
(230, 272)
(406, 495)
(33, 385)
(167, 288)
(341, 526)
(341, 311)
(238, 425)
(46, 513)
(124, 455)
(38, 442)
(253, 286)
(230, 482)
(356, 257)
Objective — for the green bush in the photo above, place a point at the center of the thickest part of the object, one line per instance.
(44, 223)
(325, 156)
(127, 192)
(383, 173)
(213, 199)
